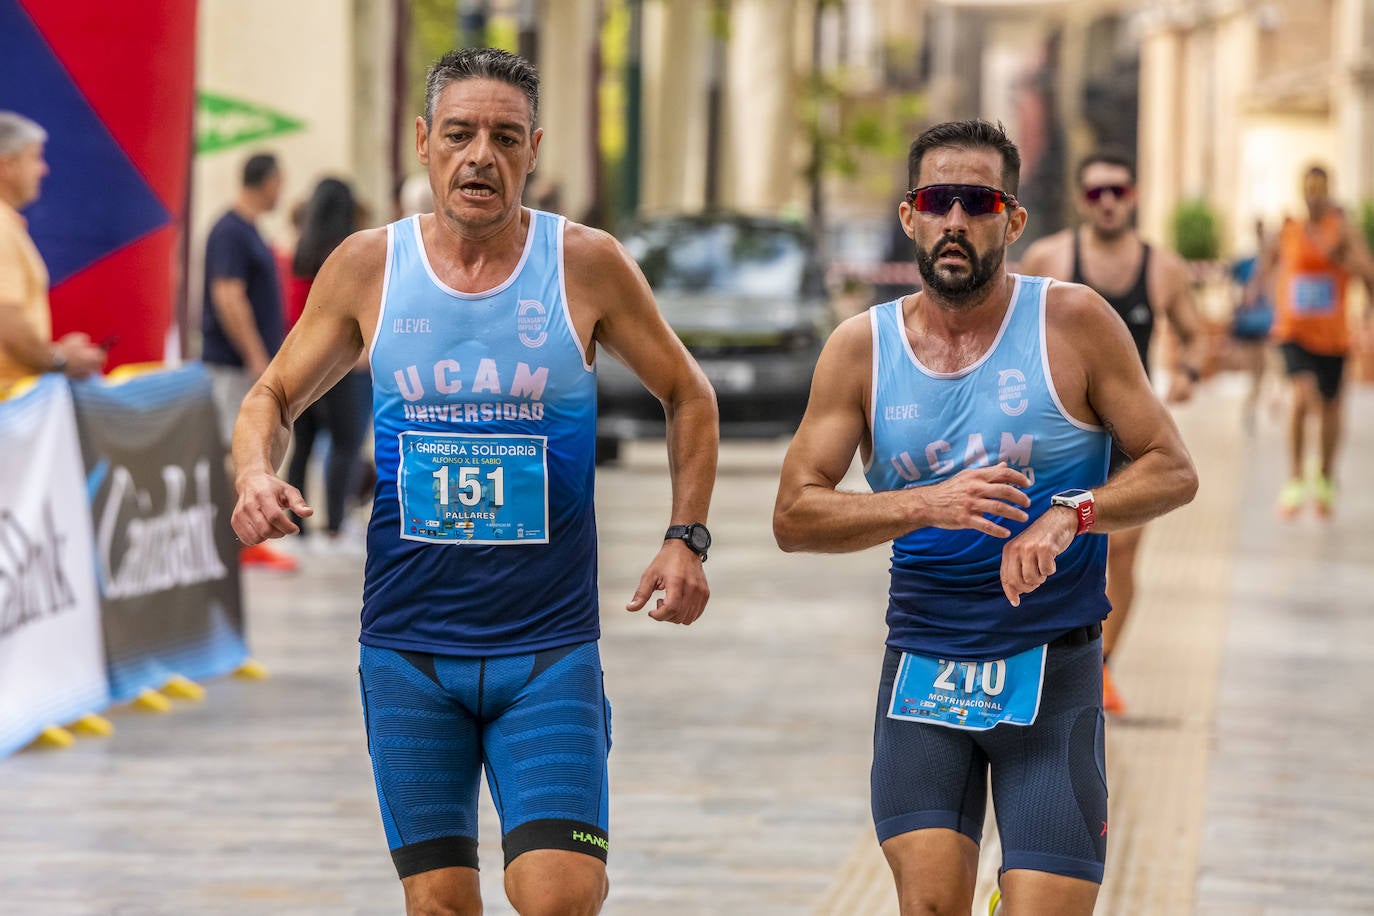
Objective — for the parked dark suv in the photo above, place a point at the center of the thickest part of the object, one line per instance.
(746, 295)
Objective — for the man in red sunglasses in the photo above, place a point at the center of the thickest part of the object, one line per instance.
(1142, 283)
(984, 407)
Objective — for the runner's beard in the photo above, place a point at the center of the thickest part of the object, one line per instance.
(960, 291)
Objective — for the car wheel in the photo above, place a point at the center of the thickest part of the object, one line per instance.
(607, 450)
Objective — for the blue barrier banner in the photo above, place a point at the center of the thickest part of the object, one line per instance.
(166, 559)
(52, 663)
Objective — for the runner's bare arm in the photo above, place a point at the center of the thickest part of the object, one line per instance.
(1098, 383)
(629, 326)
(1358, 260)
(812, 514)
(1100, 380)
(319, 351)
(1176, 293)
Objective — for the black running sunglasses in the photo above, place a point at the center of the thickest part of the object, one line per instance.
(976, 199)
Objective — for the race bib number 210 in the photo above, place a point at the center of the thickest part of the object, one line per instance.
(969, 695)
(465, 489)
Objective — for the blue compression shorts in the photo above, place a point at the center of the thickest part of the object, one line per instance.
(540, 724)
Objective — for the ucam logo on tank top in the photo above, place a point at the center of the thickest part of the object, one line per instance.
(946, 597)
(483, 537)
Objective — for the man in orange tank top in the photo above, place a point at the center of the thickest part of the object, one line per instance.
(1311, 263)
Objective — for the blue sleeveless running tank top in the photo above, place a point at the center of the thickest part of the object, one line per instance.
(483, 534)
(946, 596)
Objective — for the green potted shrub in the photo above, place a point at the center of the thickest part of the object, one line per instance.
(1196, 237)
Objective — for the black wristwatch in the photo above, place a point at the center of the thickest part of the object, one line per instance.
(694, 536)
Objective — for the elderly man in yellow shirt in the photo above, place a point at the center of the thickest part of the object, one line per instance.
(26, 344)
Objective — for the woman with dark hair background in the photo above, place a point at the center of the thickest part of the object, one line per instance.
(344, 412)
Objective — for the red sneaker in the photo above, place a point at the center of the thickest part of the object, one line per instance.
(267, 558)
(1111, 700)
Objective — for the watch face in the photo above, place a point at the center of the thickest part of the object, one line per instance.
(1072, 494)
(698, 538)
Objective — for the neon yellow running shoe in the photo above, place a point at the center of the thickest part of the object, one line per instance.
(1291, 497)
(1324, 492)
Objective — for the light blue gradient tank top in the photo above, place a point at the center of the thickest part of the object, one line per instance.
(946, 597)
(483, 535)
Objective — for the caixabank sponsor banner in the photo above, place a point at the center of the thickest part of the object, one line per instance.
(52, 664)
(165, 556)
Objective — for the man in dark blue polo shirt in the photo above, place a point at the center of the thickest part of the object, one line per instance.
(242, 320)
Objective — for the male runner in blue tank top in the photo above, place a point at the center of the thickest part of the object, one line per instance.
(1142, 283)
(984, 407)
(480, 617)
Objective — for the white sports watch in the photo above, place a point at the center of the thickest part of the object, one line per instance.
(1081, 502)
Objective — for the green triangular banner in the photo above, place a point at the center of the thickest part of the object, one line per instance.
(222, 122)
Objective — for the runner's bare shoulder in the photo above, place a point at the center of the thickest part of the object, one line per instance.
(1080, 310)
(354, 270)
(589, 252)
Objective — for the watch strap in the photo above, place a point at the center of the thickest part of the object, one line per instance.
(684, 533)
(1087, 516)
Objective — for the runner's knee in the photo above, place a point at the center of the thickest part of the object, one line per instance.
(443, 892)
(933, 901)
(444, 908)
(552, 886)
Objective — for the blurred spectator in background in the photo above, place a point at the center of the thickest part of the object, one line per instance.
(345, 411)
(1251, 321)
(26, 345)
(242, 319)
(544, 194)
(414, 196)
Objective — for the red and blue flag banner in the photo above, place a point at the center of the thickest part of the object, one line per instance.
(113, 84)
(52, 661)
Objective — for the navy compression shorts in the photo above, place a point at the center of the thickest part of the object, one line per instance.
(1049, 783)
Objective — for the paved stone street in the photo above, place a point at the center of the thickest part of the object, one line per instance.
(1241, 777)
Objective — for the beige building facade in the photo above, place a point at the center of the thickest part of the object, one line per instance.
(1238, 98)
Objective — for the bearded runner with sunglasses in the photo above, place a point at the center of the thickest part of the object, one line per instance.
(984, 407)
(1142, 283)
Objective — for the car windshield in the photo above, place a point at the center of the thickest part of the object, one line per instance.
(738, 259)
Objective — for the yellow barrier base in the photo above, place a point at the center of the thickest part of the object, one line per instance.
(120, 374)
(149, 700)
(93, 726)
(252, 670)
(54, 736)
(183, 688)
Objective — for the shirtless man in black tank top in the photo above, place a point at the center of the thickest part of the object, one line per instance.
(1144, 284)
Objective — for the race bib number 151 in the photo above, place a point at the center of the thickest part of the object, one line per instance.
(465, 489)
